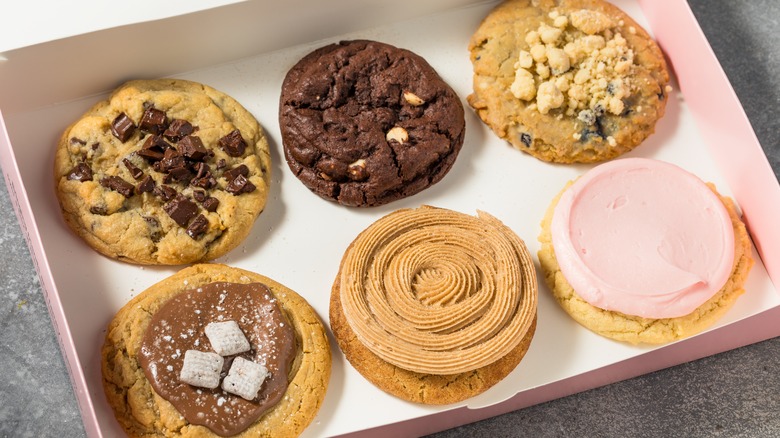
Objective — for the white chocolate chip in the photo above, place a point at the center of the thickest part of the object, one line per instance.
(397, 134)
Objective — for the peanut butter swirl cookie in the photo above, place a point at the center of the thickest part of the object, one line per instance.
(163, 172)
(435, 306)
(567, 80)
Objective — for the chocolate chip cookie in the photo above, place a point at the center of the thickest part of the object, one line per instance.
(163, 172)
(149, 345)
(365, 123)
(567, 80)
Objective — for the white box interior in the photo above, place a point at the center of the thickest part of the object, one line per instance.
(299, 239)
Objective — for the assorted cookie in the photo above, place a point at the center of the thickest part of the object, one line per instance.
(163, 172)
(216, 351)
(430, 305)
(567, 80)
(435, 306)
(364, 123)
(642, 251)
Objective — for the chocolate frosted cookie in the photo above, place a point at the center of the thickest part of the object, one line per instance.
(567, 80)
(163, 172)
(216, 351)
(365, 123)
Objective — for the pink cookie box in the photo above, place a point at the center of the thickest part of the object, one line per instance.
(244, 49)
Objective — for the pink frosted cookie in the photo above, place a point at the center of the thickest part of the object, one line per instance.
(640, 250)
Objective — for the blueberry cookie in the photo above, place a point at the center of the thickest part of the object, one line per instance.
(567, 81)
(216, 351)
(163, 172)
(365, 123)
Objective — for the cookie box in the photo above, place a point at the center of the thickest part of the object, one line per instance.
(244, 49)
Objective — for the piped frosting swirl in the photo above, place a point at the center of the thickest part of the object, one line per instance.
(435, 291)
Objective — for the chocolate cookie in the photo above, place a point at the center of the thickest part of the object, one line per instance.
(365, 123)
(567, 80)
(147, 357)
(163, 172)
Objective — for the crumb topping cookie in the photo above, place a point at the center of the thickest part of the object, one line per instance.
(163, 172)
(435, 306)
(175, 360)
(568, 80)
(365, 123)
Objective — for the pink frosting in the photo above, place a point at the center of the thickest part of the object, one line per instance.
(644, 238)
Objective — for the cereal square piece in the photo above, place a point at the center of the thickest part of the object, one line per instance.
(245, 378)
(226, 338)
(201, 369)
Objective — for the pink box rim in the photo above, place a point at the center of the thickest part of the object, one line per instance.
(707, 90)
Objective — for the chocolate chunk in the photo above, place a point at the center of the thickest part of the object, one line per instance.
(198, 226)
(233, 144)
(231, 174)
(221, 164)
(153, 148)
(134, 170)
(199, 195)
(192, 147)
(154, 121)
(82, 172)
(146, 185)
(122, 127)
(179, 173)
(206, 182)
(240, 185)
(155, 232)
(177, 130)
(98, 209)
(165, 192)
(181, 209)
(74, 140)
(117, 184)
(210, 204)
(171, 159)
(95, 146)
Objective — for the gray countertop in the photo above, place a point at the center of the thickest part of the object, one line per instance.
(736, 393)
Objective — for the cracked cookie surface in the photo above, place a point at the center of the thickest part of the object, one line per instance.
(163, 172)
(567, 80)
(636, 329)
(365, 123)
(142, 412)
